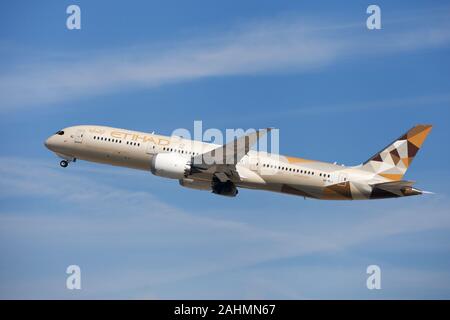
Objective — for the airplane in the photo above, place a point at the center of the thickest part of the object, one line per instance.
(222, 169)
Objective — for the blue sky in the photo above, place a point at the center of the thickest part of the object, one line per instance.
(337, 92)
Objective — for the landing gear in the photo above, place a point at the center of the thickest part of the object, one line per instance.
(64, 163)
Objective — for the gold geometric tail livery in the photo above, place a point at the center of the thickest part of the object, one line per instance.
(393, 161)
(193, 163)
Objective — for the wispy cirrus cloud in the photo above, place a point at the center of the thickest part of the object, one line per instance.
(440, 100)
(293, 44)
(148, 244)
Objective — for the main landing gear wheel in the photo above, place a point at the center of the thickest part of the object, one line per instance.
(64, 163)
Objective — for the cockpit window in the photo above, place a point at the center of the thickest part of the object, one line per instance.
(60, 132)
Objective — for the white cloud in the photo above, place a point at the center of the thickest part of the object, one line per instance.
(283, 45)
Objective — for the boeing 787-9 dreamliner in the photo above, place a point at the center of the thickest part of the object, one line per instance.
(222, 169)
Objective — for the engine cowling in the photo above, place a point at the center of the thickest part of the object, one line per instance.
(170, 165)
(195, 184)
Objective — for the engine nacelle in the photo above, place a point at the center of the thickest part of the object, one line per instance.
(170, 165)
(227, 188)
(195, 184)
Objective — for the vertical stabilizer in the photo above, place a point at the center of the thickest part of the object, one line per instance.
(393, 161)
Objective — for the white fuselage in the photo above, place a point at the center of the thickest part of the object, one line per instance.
(256, 170)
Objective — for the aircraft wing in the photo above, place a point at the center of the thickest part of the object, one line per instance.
(222, 161)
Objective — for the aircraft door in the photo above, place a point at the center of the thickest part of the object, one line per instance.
(151, 147)
(79, 136)
(342, 178)
(339, 178)
(253, 161)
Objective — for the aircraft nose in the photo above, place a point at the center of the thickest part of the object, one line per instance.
(50, 143)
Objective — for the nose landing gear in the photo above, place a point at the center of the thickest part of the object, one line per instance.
(64, 163)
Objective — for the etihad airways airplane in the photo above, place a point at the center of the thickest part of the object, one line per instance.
(222, 169)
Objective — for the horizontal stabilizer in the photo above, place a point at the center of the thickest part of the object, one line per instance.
(400, 188)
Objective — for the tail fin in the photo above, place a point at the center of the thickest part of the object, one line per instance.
(393, 161)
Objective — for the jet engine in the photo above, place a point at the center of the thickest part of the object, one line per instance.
(170, 165)
(226, 188)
